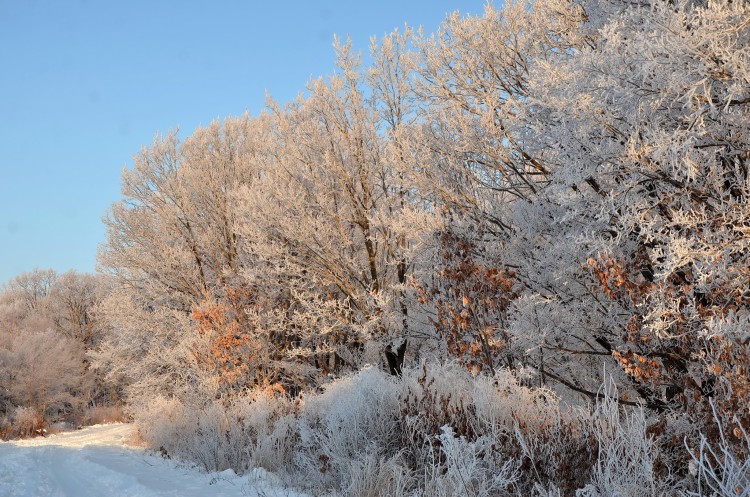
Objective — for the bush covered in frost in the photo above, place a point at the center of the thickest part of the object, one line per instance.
(438, 430)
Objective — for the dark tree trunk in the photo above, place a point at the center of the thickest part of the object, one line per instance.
(395, 359)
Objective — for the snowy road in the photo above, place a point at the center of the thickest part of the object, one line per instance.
(96, 462)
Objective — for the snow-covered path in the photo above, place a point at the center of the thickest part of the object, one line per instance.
(96, 462)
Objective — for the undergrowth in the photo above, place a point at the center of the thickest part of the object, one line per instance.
(441, 431)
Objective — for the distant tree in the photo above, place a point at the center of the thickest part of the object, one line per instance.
(47, 325)
(31, 289)
(43, 371)
(73, 301)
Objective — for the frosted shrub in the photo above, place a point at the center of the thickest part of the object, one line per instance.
(555, 455)
(370, 434)
(467, 468)
(439, 431)
(371, 475)
(270, 429)
(528, 425)
(499, 401)
(551, 491)
(498, 423)
(208, 436)
(627, 453)
(24, 422)
(722, 468)
(254, 430)
(166, 425)
(351, 422)
(434, 396)
(220, 441)
(101, 415)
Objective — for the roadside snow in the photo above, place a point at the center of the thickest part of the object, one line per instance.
(96, 462)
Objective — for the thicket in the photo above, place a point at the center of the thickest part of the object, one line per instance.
(509, 258)
(48, 324)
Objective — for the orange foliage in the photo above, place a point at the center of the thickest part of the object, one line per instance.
(237, 354)
(614, 280)
(692, 367)
(638, 366)
(729, 361)
(470, 300)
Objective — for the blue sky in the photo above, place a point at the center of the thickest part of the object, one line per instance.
(85, 83)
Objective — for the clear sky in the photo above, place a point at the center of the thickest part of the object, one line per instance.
(85, 83)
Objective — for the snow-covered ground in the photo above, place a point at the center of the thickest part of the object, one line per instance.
(98, 462)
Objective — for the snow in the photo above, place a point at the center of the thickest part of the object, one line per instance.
(101, 461)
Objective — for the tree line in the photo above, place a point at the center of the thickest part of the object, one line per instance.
(551, 186)
(556, 189)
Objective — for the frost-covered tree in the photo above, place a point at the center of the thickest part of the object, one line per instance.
(331, 221)
(475, 79)
(171, 235)
(74, 298)
(28, 292)
(594, 152)
(47, 325)
(43, 371)
(637, 249)
(171, 244)
(551, 192)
